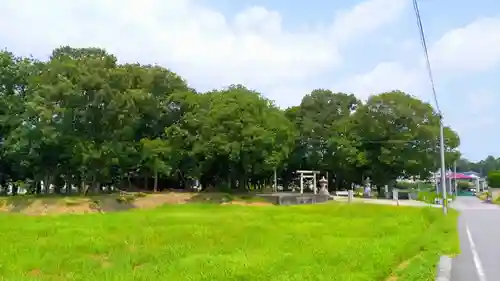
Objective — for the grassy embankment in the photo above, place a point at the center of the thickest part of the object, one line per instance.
(214, 242)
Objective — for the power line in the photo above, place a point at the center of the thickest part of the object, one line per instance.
(441, 128)
(426, 53)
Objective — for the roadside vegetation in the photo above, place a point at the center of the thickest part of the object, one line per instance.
(213, 242)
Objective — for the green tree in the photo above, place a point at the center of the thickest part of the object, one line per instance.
(400, 136)
(235, 136)
(82, 119)
(493, 179)
(15, 91)
(324, 141)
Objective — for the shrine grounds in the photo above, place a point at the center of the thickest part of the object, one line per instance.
(200, 241)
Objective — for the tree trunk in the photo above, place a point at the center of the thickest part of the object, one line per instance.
(46, 184)
(95, 185)
(58, 181)
(4, 186)
(83, 188)
(146, 181)
(15, 188)
(69, 184)
(155, 188)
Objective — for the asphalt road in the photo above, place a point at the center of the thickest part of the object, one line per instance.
(479, 230)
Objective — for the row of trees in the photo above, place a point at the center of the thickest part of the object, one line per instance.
(484, 167)
(83, 119)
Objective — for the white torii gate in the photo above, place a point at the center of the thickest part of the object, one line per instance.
(306, 174)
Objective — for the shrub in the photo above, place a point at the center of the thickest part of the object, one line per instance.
(431, 196)
(140, 194)
(95, 204)
(71, 202)
(463, 185)
(426, 186)
(428, 196)
(493, 179)
(406, 185)
(415, 186)
(483, 196)
(124, 199)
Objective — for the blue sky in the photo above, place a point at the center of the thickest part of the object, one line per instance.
(286, 48)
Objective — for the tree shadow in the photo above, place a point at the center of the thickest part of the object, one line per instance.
(112, 203)
(222, 197)
(211, 198)
(17, 206)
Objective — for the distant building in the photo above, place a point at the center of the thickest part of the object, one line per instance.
(472, 173)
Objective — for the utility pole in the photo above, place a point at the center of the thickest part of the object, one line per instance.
(449, 190)
(275, 183)
(455, 185)
(443, 167)
(436, 183)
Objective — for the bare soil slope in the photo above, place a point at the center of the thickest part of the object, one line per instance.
(52, 205)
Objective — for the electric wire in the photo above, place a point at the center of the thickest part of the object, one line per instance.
(426, 54)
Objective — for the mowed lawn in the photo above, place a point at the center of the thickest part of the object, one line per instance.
(213, 242)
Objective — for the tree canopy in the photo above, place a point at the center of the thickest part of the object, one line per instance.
(483, 167)
(83, 119)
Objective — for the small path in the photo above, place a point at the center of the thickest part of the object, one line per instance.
(479, 230)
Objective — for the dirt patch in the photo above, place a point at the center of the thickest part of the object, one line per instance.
(40, 206)
(392, 278)
(96, 204)
(400, 267)
(102, 260)
(138, 266)
(35, 272)
(156, 200)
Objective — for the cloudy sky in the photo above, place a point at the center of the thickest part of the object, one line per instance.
(286, 48)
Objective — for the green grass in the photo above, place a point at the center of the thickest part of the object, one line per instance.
(212, 242)
(430, 196)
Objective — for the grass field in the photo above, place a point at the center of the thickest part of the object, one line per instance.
(214, 242)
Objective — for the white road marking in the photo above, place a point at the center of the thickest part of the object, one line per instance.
(475, 256)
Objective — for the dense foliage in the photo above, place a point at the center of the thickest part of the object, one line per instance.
(493, 179)
(82, 119)
(482, 167)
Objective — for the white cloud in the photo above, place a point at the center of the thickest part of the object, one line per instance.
(366, 17)
(386, 76)
(470, 48)
(473, 47)
(200, 43)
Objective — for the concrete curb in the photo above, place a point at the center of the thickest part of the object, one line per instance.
(444, 269)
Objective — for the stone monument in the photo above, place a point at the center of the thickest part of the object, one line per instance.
(323, 186)
(368, 188)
